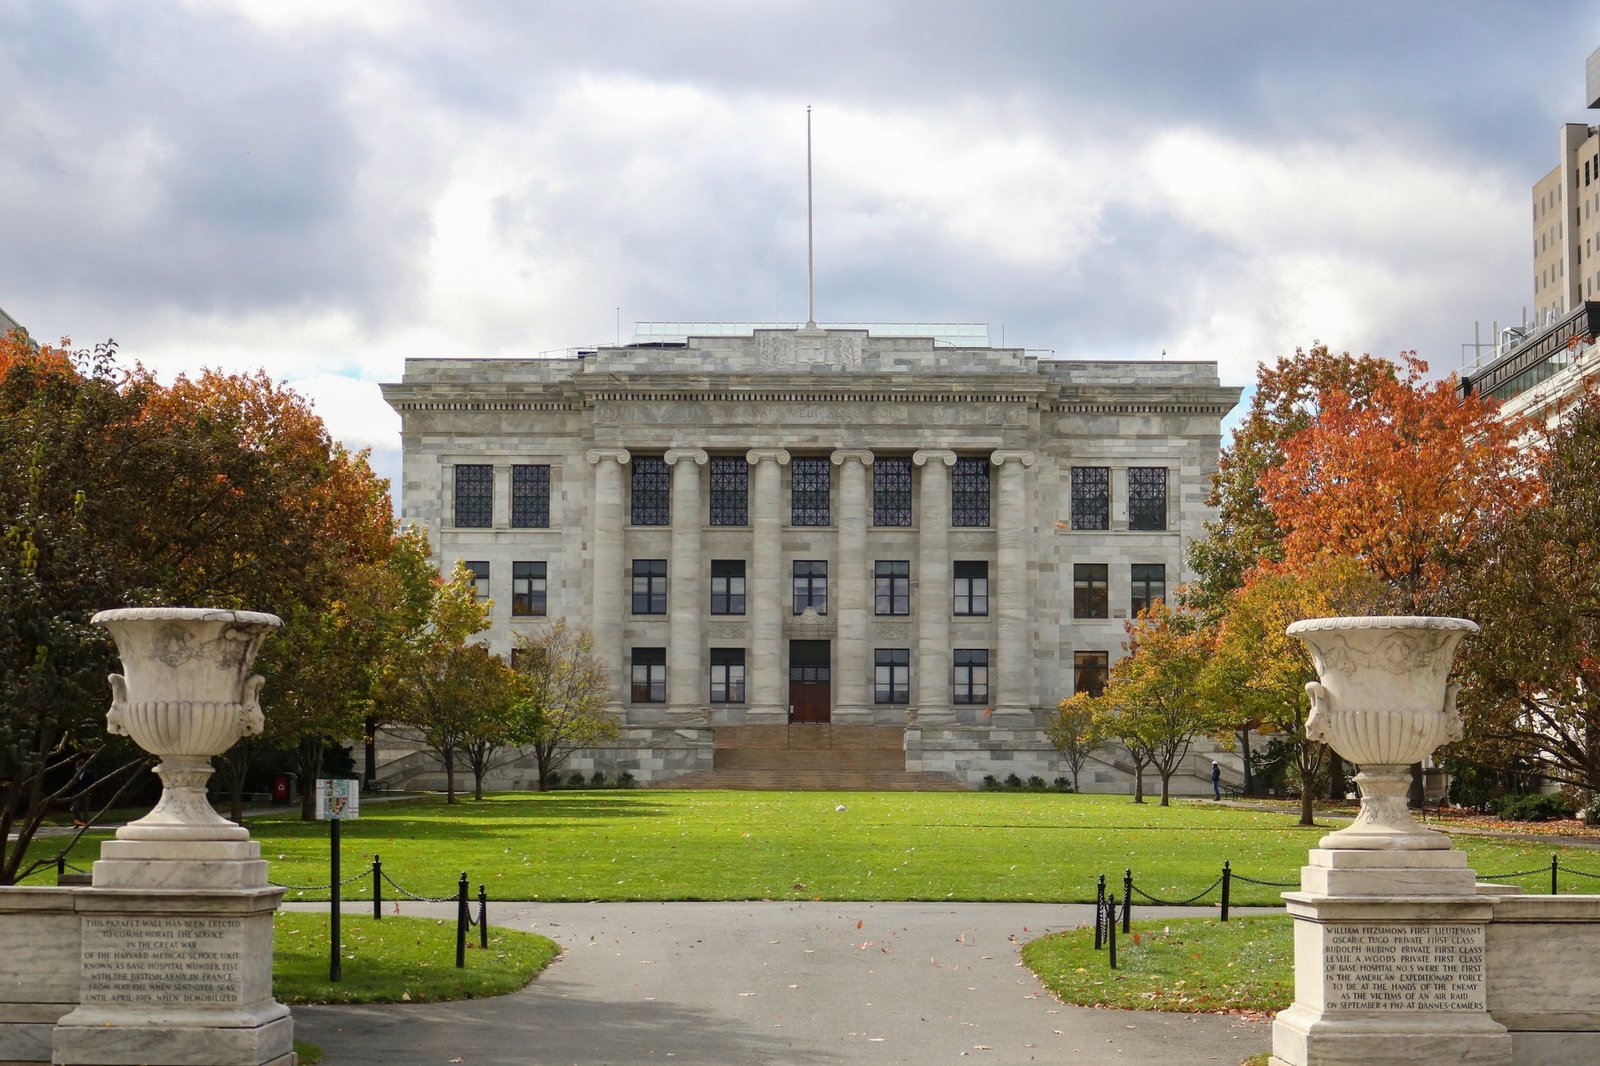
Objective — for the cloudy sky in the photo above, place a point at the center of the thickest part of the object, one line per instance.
(323, 188)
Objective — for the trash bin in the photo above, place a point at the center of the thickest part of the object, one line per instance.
(283, 788)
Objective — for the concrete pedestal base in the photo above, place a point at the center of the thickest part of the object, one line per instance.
(176, 978)
(1389, 964)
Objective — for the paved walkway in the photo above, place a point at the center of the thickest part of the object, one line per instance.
(797, 984)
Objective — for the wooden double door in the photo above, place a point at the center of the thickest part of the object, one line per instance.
(810, 681)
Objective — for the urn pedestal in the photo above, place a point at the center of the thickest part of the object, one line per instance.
(176, 946)
(1390, 930)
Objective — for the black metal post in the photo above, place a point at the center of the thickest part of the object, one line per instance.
(1227, 881)
(335, 971)
(61, 865)
(1555, 864)
(1111, 936)
(1100, 914)
(1127, 899)
(462, 919)
(483, 917)
(377, 888)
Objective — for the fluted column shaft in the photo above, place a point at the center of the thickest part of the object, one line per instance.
(931, 677)
(854, 590)
(1011, 665)
(606, 581)
(686, 591)
(767, 675)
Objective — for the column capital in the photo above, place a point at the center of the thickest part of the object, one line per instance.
(934, 455)
(777, 455)
(842, 456)
(594, 455)
(1003, 456)
(697, 456)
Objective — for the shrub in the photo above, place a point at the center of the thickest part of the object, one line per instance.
(1061, 784)
(990, 782)
(597, 779)
(1531, 808)
(625, 780)
(552, 780)
(1036, 783)
(1013, 781)
(575, 780)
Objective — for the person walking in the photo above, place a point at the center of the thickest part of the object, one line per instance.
(1216, 780)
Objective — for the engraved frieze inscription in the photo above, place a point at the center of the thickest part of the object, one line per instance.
(129, 960)
(1404, 967)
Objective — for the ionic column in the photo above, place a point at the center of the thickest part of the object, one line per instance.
(606, 580)
(686, 680)
(766, 680)
(931, 673)
(853, 589)
(1011, 663)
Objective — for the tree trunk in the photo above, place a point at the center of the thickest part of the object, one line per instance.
(1416, 796)
(477, 784)
(1307, 816)
(1138, 782)
(1166, 786)
(541, 762)
(1249, 777)
(1335, 777)
(310, 770)
(449, 774)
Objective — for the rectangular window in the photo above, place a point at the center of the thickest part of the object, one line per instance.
(652, 491)
(530, 496)
(727, 586)
(727, 675)
(808, 491)
(1091, 497)
(480, 577)
(1089, 672)
(1089, 599)
(891, 675)
(891, 492)
(971, 588)
(891, 586)
(649, 586)
(649, 675)
(970, 675)
(474, 495)
(528, 588)
(810, 585)
(1149, 585)
(969, 493)
(1147, 497)
(730, 490)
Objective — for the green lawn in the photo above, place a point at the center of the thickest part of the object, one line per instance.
(1179, 964)
(399, 959)
(664, 845)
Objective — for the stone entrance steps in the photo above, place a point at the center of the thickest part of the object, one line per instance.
(817, 757)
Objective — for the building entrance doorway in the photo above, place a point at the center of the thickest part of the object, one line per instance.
(810, 695)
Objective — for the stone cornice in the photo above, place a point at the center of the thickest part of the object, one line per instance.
(697, 456)
(939, 455)
(621, 455)
(777, 455)
(841, 456)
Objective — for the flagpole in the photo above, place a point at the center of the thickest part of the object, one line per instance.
(811, 306)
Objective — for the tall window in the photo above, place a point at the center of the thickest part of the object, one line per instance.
(480, 577)
(970, 675)
(652, 491)
(649, 586)
(1089, 670)
(727, 586)
(1091, 497)
(1149, 585)
(649, 675)
(1089, 598)
(891, 492)
(969, 493)
(530, 496)
(891, 675)
(1147, 497)
(971, 588)
(528, 589)
(474, 495)
(730, 490)
(892, 586)
(810, 585)
(727, 675)
(808, 491)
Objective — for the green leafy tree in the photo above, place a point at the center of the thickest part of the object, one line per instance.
(1075, 732)
(560, 704)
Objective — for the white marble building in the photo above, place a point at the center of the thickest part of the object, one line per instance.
(904, 528)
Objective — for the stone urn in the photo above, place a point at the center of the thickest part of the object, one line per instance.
(185, 694)
(1383, 702)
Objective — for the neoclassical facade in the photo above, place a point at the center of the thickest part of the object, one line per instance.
(793, 526)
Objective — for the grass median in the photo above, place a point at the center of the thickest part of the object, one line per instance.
(702, 845)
